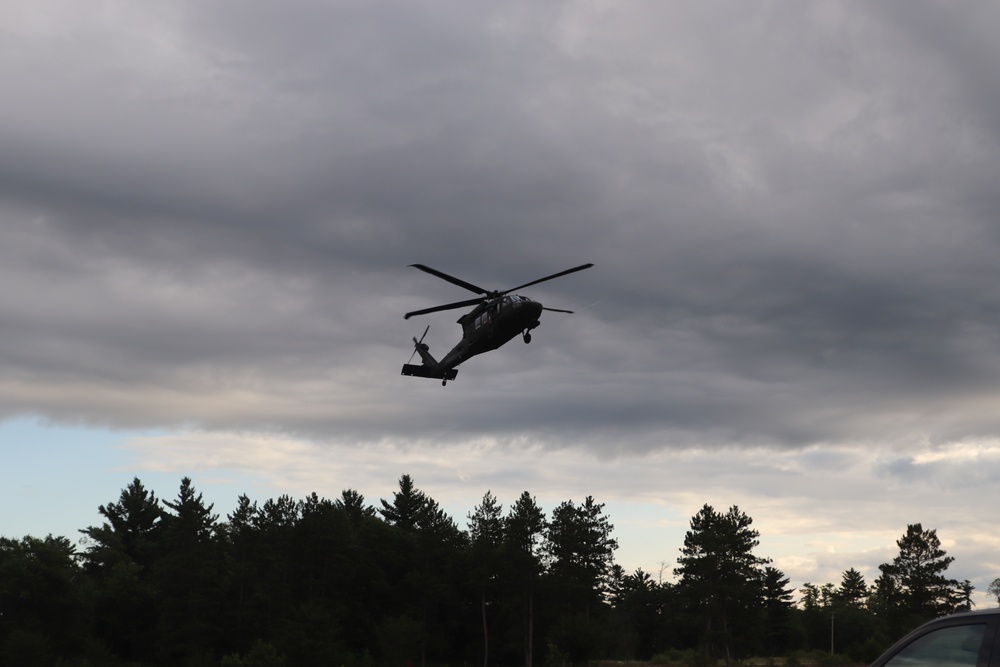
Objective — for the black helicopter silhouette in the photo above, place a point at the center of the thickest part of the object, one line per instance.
(496, 318)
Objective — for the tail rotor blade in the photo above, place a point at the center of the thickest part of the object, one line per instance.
(418, 343)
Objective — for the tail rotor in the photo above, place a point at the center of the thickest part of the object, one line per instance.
(418, 343)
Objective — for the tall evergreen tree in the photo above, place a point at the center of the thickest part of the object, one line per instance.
(846, 622)
(853, 590)
(524, 526)
(188, 574)
(275, 561)
(920, 586)
(486, 537)
(721, 576)
(581, 550)
(776, 604)
(634, 599)
(409, 507)
(884, 596)
(120, 554)
(130, 533)
(523, 530)
(353, 503)
(434, 545)
(486, 523)
(994, 589)
(963, 596)
(240, 548)
(810, 596)
(314, 630)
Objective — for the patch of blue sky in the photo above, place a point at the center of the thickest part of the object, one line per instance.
(53, 477)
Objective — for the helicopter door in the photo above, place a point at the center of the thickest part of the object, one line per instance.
(485, 320)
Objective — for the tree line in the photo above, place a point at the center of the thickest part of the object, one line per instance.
(344, 582)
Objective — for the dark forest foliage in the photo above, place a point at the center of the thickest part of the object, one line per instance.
(341, 582)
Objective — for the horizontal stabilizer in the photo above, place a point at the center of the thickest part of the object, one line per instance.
(428, 372)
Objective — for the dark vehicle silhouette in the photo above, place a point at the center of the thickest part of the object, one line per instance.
(967, 639)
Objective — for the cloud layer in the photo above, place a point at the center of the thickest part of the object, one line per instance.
(206, 215)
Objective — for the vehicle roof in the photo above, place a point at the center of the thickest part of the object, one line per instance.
(991, 611)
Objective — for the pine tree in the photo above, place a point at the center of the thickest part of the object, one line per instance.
(636, 612)
(191, 522)
(131, 532)
(432, 547)
(853, 590)
(777, 605)
(580, 550)
(120, 556)
(720, 575)
(486, 535)
(409, 507)
(994, 589)
(523, 530)
(353, 503)
(189, 576)
(918, 575)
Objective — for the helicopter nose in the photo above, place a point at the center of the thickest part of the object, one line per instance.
(535, 309)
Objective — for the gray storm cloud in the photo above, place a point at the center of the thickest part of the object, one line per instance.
(206, 215)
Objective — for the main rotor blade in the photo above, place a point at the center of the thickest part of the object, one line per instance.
(452, 279)
(554, 275)
(558, 310)
(447, 306)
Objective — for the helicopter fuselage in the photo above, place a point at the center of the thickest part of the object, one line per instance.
(491, 324)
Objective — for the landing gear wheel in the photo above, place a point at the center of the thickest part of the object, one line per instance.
(527, 337)
(444, 383)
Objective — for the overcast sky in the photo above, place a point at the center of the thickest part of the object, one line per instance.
(207, 211)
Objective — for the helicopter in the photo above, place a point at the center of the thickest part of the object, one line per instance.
(498, 317)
